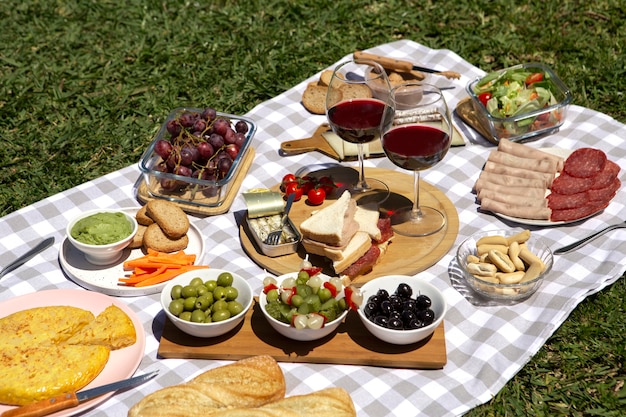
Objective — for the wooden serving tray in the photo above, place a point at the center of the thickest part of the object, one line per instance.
(405, 255)
(144, 195)
(352, 344)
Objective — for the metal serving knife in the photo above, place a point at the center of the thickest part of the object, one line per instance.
(64, 401)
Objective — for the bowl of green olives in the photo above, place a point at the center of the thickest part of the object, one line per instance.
(206, 302)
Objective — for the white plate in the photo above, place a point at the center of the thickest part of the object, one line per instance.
(122, 363)
(104, 279)
(564, 153)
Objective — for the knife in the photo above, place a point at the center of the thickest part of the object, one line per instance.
(403, 66)
(64, 401)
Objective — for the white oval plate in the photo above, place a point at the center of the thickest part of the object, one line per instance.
(122, 363)
(104, 279)
(564, 153)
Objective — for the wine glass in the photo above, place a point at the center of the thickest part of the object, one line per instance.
(417, 138)
(358, 96)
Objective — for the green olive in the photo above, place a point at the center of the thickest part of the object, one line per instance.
(185, 315)
(324, 294)
(221, 315)
(202, 289)
(176, 307)
(272, 295)
(208, 319)
(189, 291)
(225, 279)
(189, 303)
(234, 307)
(219, 305)
(302, 277)
(211, 284)
(196, 281)
(219, 293)
(176, 292)
(198, 316)
(204, 302)
(296, 300)
(231, 293)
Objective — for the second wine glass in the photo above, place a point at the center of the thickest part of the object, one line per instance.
(358, 97)
(417, 138)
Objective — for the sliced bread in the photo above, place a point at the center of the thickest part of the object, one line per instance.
(333, 224)
(155, 238)
(170, 218)
(358, 245)
(367, 217)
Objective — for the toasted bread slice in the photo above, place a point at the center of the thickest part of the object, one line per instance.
(142, 216)
(155, 238)
(170, 218)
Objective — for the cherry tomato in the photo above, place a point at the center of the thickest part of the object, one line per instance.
(307, 183)
(316, 196)
(327, 184)
(293, 187)
(289, 178)
(534, 77)
(484, 97)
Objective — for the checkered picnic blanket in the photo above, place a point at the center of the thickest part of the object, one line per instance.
(487, 344)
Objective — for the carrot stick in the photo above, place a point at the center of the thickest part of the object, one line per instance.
(133, 278)
(167, 275)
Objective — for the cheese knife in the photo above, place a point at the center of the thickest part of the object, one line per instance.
(402, 66)
(70, 400)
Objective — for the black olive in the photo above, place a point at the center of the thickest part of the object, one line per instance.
(370, 309)
(395, 324)
(382, 294)
(404, 290)
(385, 307)
(382, 321)
(427, 316)
(423, 302)
(396, 302)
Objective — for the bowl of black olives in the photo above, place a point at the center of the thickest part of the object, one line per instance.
(400, 309)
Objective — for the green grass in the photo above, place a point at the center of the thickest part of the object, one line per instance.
(85, 83)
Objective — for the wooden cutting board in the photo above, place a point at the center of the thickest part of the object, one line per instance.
(404, 256)
(352, 344)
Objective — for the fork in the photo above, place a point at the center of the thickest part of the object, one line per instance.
(581, 242)
(274, 237)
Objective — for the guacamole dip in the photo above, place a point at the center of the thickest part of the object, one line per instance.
(102, 228)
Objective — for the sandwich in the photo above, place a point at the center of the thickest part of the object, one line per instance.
(351, 237)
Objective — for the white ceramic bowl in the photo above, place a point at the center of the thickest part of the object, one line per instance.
(207, 329)
(299, 334)
(507, 292)
(102, 254)
(390, 284)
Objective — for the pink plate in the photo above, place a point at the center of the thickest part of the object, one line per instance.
(122, 363)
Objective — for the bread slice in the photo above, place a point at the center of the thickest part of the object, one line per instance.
(171, 218)
(333, 224)
(155, 238)
(355, 91)
(367, 217)
(314, 99)
(358, 245)
(142, 217)
(137, 241)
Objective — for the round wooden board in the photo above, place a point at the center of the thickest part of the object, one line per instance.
(405, 255)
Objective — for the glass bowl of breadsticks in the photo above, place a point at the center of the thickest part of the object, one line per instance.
(504, 264)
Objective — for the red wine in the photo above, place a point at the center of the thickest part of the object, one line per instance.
(415, 147)
(357, 120)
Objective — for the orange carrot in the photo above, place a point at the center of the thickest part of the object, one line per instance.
(167, 275)
(156, 267)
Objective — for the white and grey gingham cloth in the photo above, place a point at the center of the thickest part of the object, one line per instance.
(486, 344)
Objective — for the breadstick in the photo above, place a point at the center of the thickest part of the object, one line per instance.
(482, 249)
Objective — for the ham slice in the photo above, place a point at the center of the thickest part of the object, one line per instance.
(509, 181)
(505, 197)
(497, 168)
(523, 151)
(515, 210)
(520, 192)
(542, 165)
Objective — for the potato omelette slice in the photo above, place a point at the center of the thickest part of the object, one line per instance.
(40, 372)
(112, 328)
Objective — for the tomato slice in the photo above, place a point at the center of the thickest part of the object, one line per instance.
(534, 77)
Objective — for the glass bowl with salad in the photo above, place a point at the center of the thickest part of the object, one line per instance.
(307, 305)
(520, 102)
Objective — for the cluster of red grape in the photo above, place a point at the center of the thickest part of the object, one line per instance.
(201, 145)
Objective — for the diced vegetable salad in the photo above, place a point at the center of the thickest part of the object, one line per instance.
(515, 91)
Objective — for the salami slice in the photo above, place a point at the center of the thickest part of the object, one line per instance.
(567, 184)
(567, 201)
(605, 177)
(585, 162)
(606, 193)
(567, 215)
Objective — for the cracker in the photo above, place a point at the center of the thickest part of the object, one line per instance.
(155, 238)
(314, 99)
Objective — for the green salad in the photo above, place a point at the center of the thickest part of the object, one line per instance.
(515, 91)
